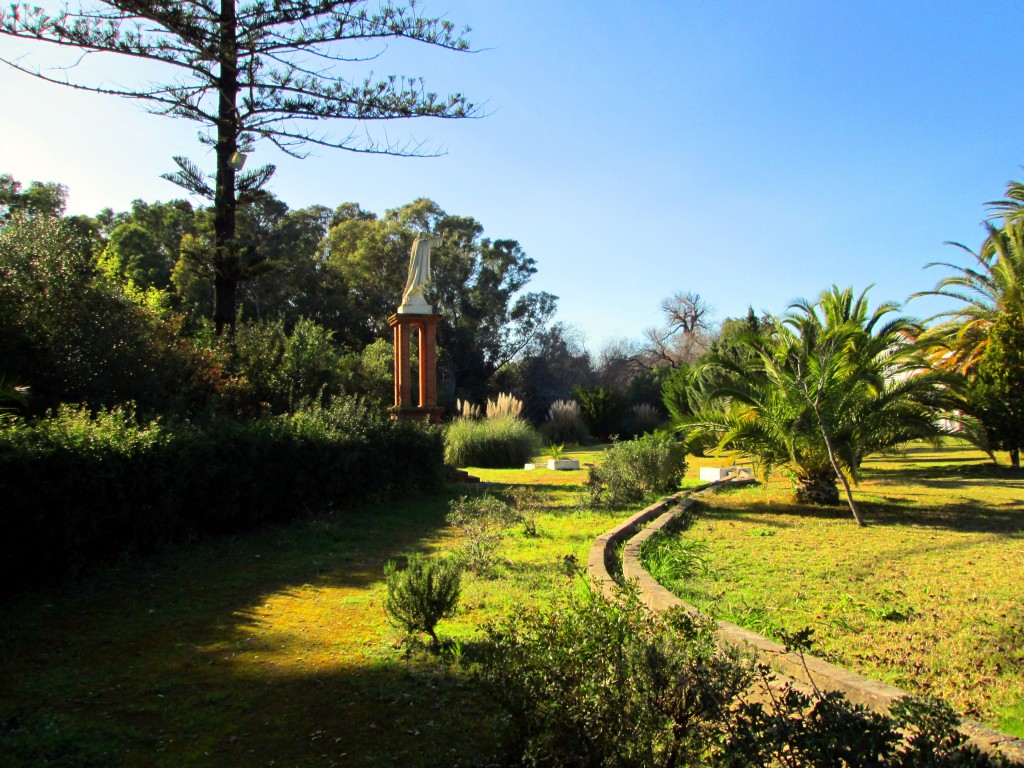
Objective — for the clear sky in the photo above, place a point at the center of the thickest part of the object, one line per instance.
(752, 151)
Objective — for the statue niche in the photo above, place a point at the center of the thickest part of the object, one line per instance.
(415, 314)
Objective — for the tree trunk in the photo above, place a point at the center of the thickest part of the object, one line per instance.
(818, 489)
(225, 256)
(1015, 458)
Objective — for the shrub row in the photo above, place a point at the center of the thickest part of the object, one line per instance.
(81, 488)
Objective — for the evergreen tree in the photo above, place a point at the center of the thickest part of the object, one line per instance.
(250, 71)
(998, 392)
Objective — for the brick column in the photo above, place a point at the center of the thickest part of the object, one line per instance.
(426, 409)
(428, 362)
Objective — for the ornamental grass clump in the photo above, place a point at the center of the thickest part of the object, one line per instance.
(644, 418)
(505, 406)
(503, 442)
(468, 410)
(422, 594)
(564, 424)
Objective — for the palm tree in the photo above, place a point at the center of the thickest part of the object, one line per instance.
(829, 383)
(984, 291)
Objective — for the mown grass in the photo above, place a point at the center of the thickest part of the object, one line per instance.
(272, 648)
(927, 597)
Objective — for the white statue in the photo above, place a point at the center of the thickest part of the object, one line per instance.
(413, 302)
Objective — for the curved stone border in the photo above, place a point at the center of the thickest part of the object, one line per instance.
(857, 688)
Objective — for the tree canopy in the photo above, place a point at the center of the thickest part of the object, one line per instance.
(247, 72)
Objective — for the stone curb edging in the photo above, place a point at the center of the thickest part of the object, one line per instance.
(857, 688)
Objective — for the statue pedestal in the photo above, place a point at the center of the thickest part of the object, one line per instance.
(425, 408)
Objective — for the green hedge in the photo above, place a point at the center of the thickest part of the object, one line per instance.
(81, 488)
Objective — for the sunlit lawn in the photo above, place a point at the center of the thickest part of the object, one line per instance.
(271, 648)
(927, 597)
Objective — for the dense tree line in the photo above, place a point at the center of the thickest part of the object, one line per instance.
(317, 286)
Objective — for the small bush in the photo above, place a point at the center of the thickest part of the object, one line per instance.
(603, 683)
(483, 522)
(422, 594)
(633, 470)
(528, 503)
(497, 443)
(564, 424)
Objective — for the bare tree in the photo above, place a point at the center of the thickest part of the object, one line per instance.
(684, 336)
(262, 69)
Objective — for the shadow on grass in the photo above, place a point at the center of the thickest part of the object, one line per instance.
(183, 660)
(399, 713)
(982, 470)
(974, 517)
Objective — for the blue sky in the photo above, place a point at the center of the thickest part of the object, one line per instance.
(753, 152)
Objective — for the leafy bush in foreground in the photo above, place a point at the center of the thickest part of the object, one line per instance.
(498, 442)
(596, 683)
(635, 469)
(80, 488)
(601, 683)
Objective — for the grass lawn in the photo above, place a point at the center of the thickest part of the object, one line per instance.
(271, 648)
(927, 597)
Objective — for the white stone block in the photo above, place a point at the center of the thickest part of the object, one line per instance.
(563, 464)
(712, 474)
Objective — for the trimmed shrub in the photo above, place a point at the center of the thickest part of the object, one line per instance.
(635, 469)
(504, 442)
(82, 488)
(564, 424)
(422, 594)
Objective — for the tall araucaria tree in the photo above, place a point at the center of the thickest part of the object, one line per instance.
(246, 71)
